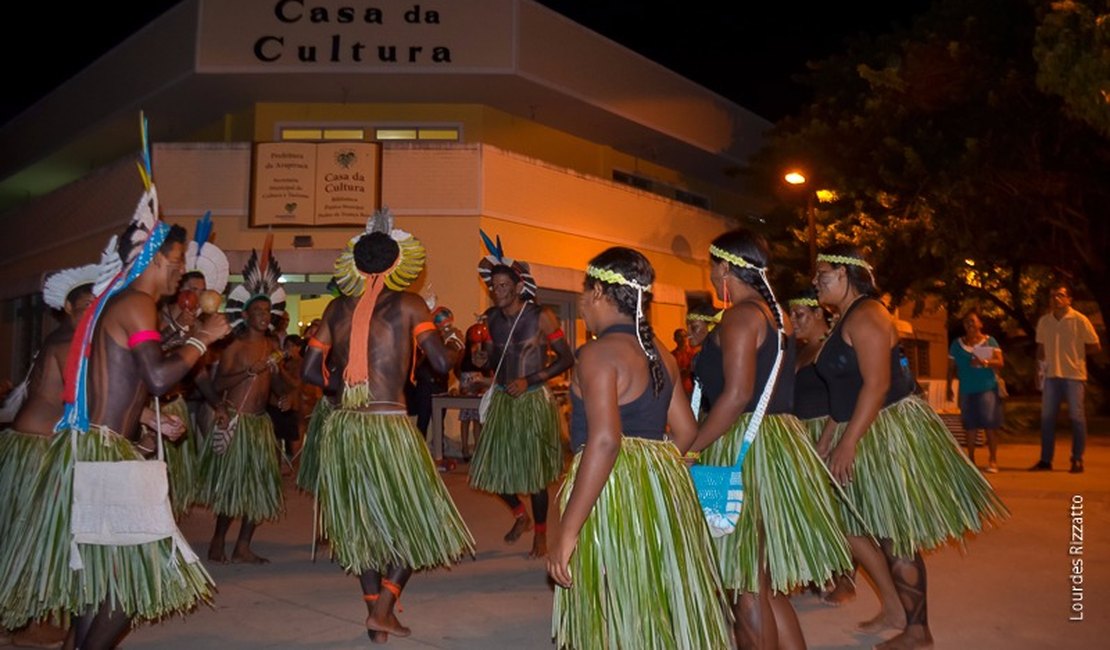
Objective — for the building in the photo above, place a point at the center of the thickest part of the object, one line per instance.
(498, 115)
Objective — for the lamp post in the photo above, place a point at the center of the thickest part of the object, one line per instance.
(797, 178)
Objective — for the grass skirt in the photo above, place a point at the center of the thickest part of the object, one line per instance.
(20, 456)
(813, 428)
(788, 507)
(308, 473)
(181, 460)
(382, 501)
(244, 481)
(520, 450)
(144, 581)
(913, 485)
(644, 572)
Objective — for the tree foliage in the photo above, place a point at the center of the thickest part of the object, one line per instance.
(951, 165)
(1072, 51)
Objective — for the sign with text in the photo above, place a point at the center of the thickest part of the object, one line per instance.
(310, 184)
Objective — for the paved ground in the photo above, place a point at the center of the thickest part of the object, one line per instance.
(1009, 589)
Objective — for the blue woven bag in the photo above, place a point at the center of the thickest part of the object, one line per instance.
(720, 489)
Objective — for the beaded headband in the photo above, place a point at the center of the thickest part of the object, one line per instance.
(803, 302)
(609, 276)
(733, 258)
(715, 318)
(843, 259)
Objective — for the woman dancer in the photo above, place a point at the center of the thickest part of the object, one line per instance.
(788, 533)
(633, 557)
(901, 468)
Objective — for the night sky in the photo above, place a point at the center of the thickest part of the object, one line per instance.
(745, 51)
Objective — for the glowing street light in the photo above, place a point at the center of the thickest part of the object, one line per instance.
(797, 178)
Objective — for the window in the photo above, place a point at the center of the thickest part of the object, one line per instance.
(323, 134)
(441, 133)
(662, 189)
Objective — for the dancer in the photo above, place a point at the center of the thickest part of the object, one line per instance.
(975, 358)
(521, 450)
(888, 448)
(115, 362)
(23, 445)
(788, 533)
(240, 468)
(630, 518)
(383, 505)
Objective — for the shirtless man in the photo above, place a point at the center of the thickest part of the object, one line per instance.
(127, 366)
(399, 517)
(245, 480)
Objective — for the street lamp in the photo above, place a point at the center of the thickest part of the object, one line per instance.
(796, 178)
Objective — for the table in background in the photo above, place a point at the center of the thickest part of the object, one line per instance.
(441, 403)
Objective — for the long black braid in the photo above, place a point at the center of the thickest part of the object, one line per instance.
(633, 267)
(751, 248)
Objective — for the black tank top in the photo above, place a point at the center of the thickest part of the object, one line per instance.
(811, 396)
(643, 417)
(710, 371)
(838, 365)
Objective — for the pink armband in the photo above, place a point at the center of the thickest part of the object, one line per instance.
(138, 338)
(556, 335)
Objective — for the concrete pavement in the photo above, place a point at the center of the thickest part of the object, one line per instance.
(1010, 588)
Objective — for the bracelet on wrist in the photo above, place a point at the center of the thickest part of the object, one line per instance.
(196, 343)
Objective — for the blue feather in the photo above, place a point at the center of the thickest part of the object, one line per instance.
(494, 249)
(204, 229)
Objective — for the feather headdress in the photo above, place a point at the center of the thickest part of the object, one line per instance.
(124, 259)
(497, 258)
(58, 285)
(207, 258)
(260, 280)
(355, 282)
(410, 261)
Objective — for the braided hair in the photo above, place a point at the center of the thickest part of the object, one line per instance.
(748, 247)
(630, 301)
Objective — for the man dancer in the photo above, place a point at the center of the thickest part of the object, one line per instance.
(383, 506)
(520, 451)
(243, 479)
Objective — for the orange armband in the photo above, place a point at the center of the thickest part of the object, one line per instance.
(314, 342)
(426, 326)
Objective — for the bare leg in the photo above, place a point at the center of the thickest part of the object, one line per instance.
(755, 623)
(242, 553)
(219, 537)
(843, 588)
(875, 564)
(371, 583)
(539, 511)
(992, 447)
(102, 631)
(972, 441)
(382, 618)
(464, 433)
(787, 628)
(909, 579)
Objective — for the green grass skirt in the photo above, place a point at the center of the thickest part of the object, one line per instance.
(308, 473)
(520, 450)
(181, 460)
(912, 484)
(244, 481)
(644, 572)
(144, 581)
(813, 428)
(788, 506)
(20, 456)
(382, 501)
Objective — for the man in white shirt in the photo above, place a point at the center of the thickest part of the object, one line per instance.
(1064, 339)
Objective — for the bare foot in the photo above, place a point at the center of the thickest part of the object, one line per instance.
(216, 553)
(246, 556)
(539, 545)
(522, 524)
(377, 637)
(388, 624)
(915, 637)
(882, 622)
(843, 592)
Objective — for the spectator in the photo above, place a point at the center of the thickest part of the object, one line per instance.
(974, 359)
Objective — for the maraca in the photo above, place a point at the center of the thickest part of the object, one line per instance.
(210, 301)
(187, 301)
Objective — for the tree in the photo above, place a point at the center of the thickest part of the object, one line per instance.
(1073, 57)
(943, 149)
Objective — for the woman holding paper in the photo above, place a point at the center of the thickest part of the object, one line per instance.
(975, 359)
